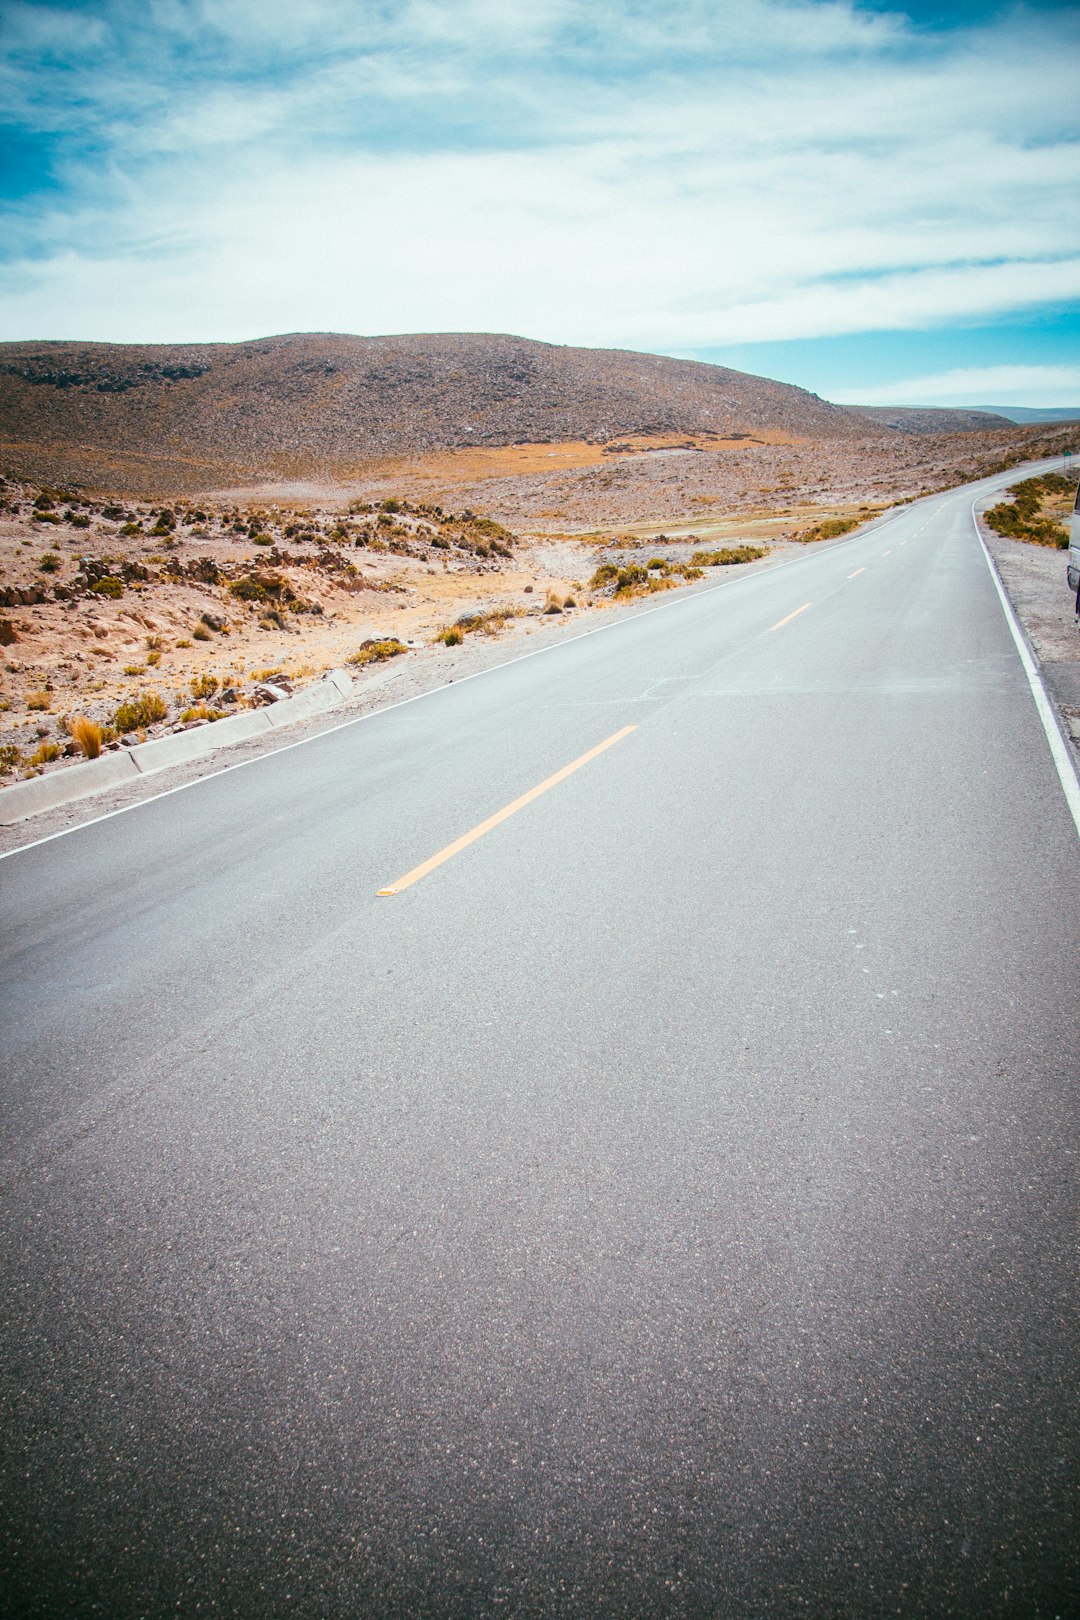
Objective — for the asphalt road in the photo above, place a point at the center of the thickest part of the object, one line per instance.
(666, 1206)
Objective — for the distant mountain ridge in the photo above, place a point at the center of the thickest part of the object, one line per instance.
(929, 418)
(325, 402)
(1024, 413)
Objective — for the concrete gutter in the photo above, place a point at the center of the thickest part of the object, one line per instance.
(126, 764)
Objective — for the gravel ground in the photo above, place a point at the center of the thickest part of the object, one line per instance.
(1034, 577)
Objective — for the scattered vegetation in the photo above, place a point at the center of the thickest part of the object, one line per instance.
(1023, 517)
(143, 710)
(204, 686)
(108, 586)
(632, 579)
(488, 624)
(728, 555)
(831, 529)
(374, 652)
(39, 701)
(201, 711)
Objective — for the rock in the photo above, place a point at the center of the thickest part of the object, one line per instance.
(212, 621)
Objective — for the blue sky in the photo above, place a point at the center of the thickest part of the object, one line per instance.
(878, 202)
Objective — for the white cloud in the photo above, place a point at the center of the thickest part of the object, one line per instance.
(981, 385)
(656, 176)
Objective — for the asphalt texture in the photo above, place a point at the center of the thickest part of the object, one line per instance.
(666, 1207)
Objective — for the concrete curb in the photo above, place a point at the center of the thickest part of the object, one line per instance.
(58, 787)
(184, 745)
(127, 764)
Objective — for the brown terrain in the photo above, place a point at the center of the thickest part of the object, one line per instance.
(182, 523)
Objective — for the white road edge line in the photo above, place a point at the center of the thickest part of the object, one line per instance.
(1059, 748)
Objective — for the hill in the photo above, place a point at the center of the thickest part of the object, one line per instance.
(929, 419)
(186, 417)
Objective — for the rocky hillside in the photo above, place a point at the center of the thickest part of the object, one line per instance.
(192, 416)
(929, 419)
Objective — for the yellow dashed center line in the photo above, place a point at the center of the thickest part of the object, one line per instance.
(501, 815)
(781, 622)
(887, 553)
(857, 572)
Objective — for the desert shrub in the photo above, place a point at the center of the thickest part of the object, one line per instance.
(248, 589)
(45, 517)
(831, 529)
(86, 735)
(78, 520)
(39, 701)
(183, 642)
(10, 757)
(154, 643)
(50, 563)
(139, 711)
(201, 633)
(45, 753)
(43, 502)
(109, 586)
(373, 652)
(153, 659)
(451, 636)
(204, 686)
(134, 669)
(201, 711)
(131, 528)
(553, 603)
(726, 556)
(1023, 517)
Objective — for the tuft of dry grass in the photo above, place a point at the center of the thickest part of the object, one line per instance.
(201, 711)
(374, 652)
(39, 701)
(726, 556)
(140, 711)
(87, 736)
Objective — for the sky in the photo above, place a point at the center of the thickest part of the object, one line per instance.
(878, 202)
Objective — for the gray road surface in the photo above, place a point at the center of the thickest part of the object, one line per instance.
(667, 1207)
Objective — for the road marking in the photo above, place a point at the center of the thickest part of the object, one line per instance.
(857, 572)
(781, 623)
(985, 485)
(1059, 749)
(887, 553)
(468, 838)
